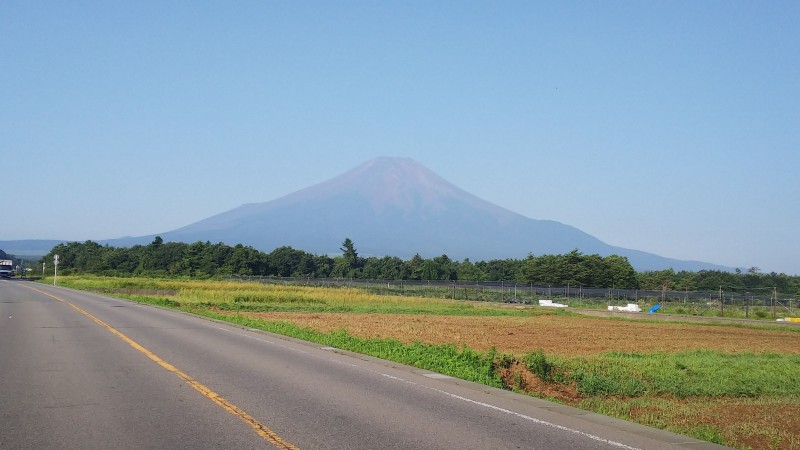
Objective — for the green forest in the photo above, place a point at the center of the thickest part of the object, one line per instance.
(206, 260)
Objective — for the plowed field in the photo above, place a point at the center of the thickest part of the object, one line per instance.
(553, 334)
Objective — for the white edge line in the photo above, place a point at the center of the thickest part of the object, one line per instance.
(513, 413)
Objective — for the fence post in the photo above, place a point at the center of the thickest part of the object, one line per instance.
(774, 298)
(746, 305)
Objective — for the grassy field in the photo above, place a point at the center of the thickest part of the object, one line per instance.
(732, 384)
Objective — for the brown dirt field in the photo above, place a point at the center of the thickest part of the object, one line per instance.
(769, 426)
(554, 335)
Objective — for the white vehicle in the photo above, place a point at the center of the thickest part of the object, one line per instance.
(6, 268)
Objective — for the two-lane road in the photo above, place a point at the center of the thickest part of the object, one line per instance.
(79, 370)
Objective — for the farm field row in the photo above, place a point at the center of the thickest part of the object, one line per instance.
(555, 335)
(732, 384)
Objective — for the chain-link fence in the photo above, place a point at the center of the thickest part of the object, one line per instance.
(759, 303)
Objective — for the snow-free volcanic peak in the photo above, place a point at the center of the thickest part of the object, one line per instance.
(398, 207)
(393, 183)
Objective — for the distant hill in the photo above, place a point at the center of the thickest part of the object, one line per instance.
(397, 207)
(30, 248)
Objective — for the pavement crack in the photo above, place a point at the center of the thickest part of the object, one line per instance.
(72, 405)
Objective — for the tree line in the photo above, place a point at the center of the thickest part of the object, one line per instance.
(204, 260)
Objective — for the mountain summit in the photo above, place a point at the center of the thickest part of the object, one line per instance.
(396, 184)
(397, 207)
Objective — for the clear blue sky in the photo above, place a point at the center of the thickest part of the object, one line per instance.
(668, 127)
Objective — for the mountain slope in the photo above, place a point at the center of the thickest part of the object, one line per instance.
(397, 207)
(30, 248)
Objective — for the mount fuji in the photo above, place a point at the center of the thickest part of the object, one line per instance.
(397, 207)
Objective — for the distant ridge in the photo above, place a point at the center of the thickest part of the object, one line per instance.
(398, 207)
(29, 247)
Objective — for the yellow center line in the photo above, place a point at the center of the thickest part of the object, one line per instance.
(259, 428)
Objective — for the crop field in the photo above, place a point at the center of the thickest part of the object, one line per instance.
(737, 385)
(555, 335)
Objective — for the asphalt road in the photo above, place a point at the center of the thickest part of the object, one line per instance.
(84, 371)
